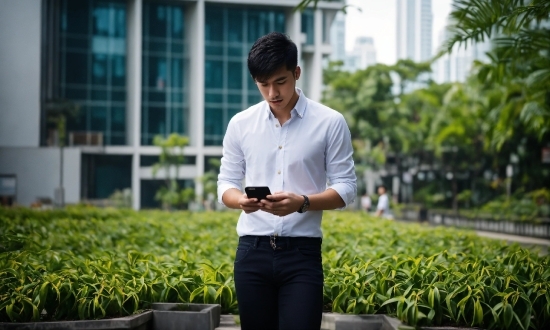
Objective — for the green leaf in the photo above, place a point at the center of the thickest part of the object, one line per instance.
(392, 300)
(478, 313)
(508, 315)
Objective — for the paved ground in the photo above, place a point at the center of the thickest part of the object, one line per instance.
(227, 322)
(542, 244)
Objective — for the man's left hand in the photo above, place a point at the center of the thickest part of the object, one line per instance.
(282, 203)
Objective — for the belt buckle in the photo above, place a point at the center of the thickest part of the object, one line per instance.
(272, 239)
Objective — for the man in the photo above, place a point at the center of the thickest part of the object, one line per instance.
(302, 151)
(383, 206)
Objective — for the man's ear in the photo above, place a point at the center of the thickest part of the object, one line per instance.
(297, 72)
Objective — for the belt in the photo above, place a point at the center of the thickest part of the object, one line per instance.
(281, 242)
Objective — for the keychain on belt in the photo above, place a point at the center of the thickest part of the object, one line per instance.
(272, 239)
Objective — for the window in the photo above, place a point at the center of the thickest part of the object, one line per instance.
(307, 25)
(92, 66)
(229, 34)
(164, 76)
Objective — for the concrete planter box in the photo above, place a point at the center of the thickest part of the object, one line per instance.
(143, 321)
(413, 214)
(170, 316)
(360, 322)
(448, 328)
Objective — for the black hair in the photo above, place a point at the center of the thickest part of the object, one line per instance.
(269, 53)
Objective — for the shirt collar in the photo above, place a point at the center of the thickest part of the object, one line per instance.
(299, 108)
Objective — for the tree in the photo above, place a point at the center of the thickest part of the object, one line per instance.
(519, 62)
(313, 3)
(57, 112)
(170, 160)
(410, 72)
(515, 83)
(364, 98)
(210, 180)
(456, 135)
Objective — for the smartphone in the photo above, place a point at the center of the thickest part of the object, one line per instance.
(257, 192)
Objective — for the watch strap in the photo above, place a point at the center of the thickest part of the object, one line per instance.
(305, 205)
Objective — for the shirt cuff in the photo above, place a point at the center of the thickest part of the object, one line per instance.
(222, 188)
(346, 192)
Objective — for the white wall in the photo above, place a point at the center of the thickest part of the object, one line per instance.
(37, 171)
(20, 72)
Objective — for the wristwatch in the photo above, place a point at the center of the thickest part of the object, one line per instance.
(304, 206)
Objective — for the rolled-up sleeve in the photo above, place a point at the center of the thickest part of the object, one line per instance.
(340, 167)
(233, 166)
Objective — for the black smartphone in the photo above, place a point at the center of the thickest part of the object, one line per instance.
(257, 192)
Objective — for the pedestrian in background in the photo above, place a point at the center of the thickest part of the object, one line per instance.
(383, 206)
(366, 202)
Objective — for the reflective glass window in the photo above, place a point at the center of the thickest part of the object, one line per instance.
(92, 66)
(308, 25)
(230, 31)
(164, 74)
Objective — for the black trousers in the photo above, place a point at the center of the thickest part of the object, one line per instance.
(279, 288)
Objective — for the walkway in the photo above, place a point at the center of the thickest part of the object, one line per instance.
(525, 241)
(227, 322)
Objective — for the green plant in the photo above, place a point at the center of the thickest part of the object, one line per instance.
(520, 206)
(86, 263)
(170, 159)
(122, 198)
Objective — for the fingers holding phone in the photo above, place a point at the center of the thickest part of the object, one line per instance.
(282, 203)
(249, 205)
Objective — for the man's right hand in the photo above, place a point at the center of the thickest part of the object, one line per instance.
(249, 205)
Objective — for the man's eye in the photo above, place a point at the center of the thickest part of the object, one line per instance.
(281, 82)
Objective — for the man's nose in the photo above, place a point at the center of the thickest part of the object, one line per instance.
(273, 91)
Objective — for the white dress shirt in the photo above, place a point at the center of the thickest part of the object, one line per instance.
(383, 204)
(309, 153)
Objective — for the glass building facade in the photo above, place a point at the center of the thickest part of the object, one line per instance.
(229, 33)
(92, 65)
(308, 25)
(164, 73)
(142, 68)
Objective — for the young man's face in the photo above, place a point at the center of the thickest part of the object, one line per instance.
(279, 90)
(381, 190)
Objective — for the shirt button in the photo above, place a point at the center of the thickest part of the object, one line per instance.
(276, 125)
(280, 147)
(278, 172)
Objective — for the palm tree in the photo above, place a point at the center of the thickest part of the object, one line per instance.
(515, 83)
(519, 64)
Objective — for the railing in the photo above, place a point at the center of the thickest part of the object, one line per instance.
(86, 139)
(539, 228)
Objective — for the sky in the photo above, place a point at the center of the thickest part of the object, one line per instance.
(378, 20)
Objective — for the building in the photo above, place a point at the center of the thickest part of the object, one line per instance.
(456, 66)
(338, 37)
(362, 55)
(414, 30)
(137, 69)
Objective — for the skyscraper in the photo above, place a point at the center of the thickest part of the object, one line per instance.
(456, 66)
(338, 38)
(363, 54)
(414, 29)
